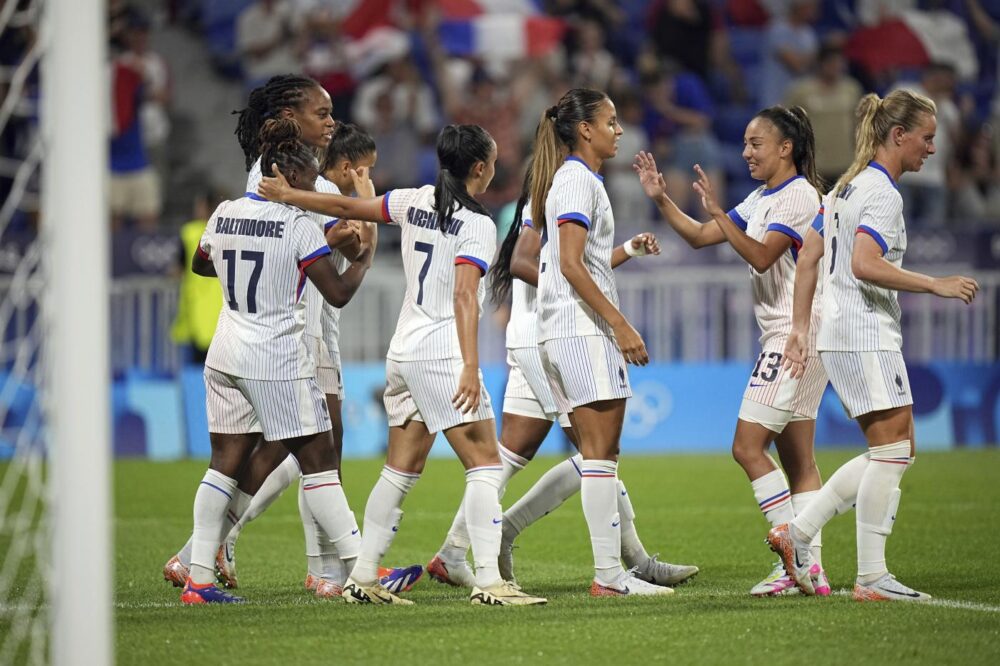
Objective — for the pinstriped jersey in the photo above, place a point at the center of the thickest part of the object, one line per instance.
(788, 209)
(858, 315)
(577, 196)
(522, 329)
(260, 250)
(330, 315)
(426, 328)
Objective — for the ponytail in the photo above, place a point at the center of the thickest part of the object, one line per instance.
(501, 277)
(793, 124)
(281, 144)
(459, 148)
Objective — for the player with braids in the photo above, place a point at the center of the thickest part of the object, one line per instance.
(259, 372)
(530, 411)
(766, 230)
(433, 381)
(863, 239)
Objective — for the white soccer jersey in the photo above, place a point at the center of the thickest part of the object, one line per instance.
(260, 250)
(577, 196)
(426, 328)
(522, 328)
(330, 315)
(858, 315)
(789, 209)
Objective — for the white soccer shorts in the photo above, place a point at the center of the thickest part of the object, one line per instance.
(328, 370)
(774, 399)
(584, 370)
(422, 391)
(528, 392)
(868, 381)
(280, 409)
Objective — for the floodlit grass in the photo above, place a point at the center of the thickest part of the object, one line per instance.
(691, 509)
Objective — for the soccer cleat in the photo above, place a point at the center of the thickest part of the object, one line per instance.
(628, 585)
(665, 574)
(822, 584)
(400, 579)
(329, 589)
(778, 583)
(225, 565)
(355, 593)
(174, 572)
(206, 594)
(311, 582)
(506, 561)
(795, 556)
(456, 574)
(503, 593)
(887, 588)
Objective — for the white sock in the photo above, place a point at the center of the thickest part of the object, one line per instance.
(773, 497)
(382, 516)
(237, 506)
(483, 520)
(184, 554)
(799, 502)
(598, 489)
(549, 492)
(878, 498)
(327, 503)
(283, 476)
(335, 568)
(835, 497)
(311, 531)
(457, 543)
(633, 552)
(210, 501)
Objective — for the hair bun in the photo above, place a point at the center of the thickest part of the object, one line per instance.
(552, 112)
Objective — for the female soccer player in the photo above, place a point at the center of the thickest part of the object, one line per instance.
(860, 338)
(766, 230)
(433, 382)
(529, 412)
(585, 340)
(259, 373)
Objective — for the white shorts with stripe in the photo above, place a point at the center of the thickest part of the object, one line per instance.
(584, 370)
(280, 409)
(774, 399)
(868, 381)
(328, 371)
(422, 391)
(528, 392)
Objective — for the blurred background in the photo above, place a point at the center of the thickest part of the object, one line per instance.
(686, 76)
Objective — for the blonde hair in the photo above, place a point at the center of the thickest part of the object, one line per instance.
(876, 118)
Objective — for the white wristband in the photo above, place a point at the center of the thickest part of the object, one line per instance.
(631, 250)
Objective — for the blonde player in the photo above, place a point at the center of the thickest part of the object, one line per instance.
(529, 410)
(860, 338)
(766, 230)
(433, 382)
(259, 372)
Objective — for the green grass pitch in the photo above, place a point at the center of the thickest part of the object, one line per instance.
(690, 509)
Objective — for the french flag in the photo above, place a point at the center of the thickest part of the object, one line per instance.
(502, 29)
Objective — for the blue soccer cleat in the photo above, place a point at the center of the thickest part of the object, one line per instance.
(400, 579)
(206, 594)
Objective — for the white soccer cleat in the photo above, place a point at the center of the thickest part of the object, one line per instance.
(355, 593)
(777, 583)
(504, 593)
(887, 588)
(225, 565)
(506, 561)
(795, 556)
(629, 585)
(456, 574)
(663, 573)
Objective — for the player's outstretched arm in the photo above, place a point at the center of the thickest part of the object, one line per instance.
(868, 264)
(335, 205)
(524, 260)
(806, 277)
(467, 278)
(639, 245)
(693, 232)
(336, 288)
(759, 255)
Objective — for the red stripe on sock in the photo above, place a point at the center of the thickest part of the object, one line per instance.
(321, 485)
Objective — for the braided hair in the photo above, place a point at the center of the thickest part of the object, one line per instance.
(266, 101)
(280, 144)
(500, 273)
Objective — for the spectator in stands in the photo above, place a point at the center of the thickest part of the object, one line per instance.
(266, 40)
(412, 99)
(790, 47)
(830, 97)
(975, 181)
(925, 192)
(631, 205)
(592, 64)
(678, 117)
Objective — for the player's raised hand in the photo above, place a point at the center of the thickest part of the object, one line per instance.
(466, 398)
(956, 286)
(363, 184)
(631, 345)
(645, 243)
(343, 233)
(651, 180)
(276, 188)
(795, 354)
(703, 186)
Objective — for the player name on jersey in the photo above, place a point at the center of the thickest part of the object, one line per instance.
(429, 220)
(244, 226)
